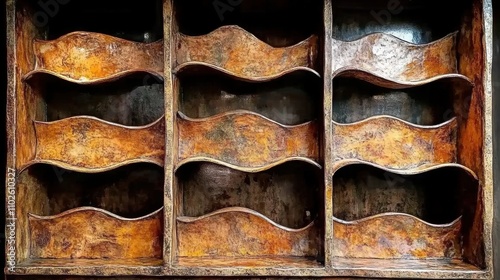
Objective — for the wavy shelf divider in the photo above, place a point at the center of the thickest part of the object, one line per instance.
(91, 233)
(90, 145)
(394, 143)
(232, 50)
(246, 141)
(396, 236)
(390, 62)
(86, 58)
(241, 232)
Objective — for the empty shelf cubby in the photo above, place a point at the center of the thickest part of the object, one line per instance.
(82, 218)
(228, 216)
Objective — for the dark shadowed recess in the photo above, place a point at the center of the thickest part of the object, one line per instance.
(355, 100)
(139, 21)
(290, 100)
(279, 23)
(416, 21)
(134, 100)
(289, 194)
(132, 191)
(439, 196)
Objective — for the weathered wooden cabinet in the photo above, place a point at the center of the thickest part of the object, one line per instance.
(285, 138)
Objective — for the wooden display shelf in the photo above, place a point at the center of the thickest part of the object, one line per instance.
(201, 138)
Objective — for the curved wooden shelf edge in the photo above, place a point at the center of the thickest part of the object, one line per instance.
(242, 210)
(107, 79)
(389, 61)
(245, 141)
(90, 145)
(186, 67)
(394, 143)
(90, 233)
(406, 172)
(88, 58)
(395, 235)
(459, 80)
(244, 53)
(251, 234)
(247, 169)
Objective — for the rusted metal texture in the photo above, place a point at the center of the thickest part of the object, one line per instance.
(234, 232)
(391, 62)
(234, 51)
(87, 144)
(394, 144)
(390, 236)
(246, 141)
(84, 57)
(91, 233)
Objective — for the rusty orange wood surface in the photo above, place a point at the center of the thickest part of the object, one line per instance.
(234, 51)
(239, 231)
(356, 266)
(394, 144)
(84, 57)
(248, 262)
(390, 236)
(87, 144)
(386, 60)
(91, 233)
(246, 141)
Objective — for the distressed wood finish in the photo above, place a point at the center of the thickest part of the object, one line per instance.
(396, 236)
(394, 144)
(234, 51)
(388, 61)
(84, 57)
(330, 139)
(91, 145)
(90, 233)
(247, 263)
(234, 232)
(246, 141)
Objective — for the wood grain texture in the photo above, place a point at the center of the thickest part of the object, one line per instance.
(391, 62)
(234, 51)
(234, 232)
(475, 131)
(85, 57)
(88, 144)
(248, 262)
(328, 116)
(394, 144)
(24, 104)
(398, 268)
(246, 141)
(396, 236)
(91, 233)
